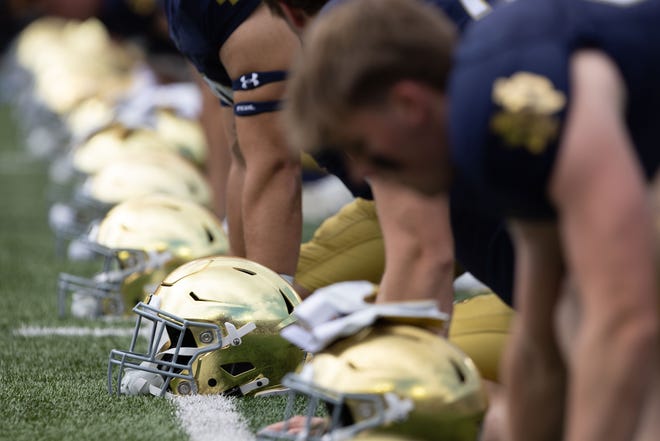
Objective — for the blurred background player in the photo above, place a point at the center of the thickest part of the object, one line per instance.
(415, 229)
(422, 239)
(510, 129)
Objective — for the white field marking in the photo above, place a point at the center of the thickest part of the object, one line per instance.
(72, 331)
(211, 418)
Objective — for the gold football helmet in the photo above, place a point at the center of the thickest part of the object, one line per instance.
(145, 173)
(213, 327)
(113, 141)
(140, 241)
(132, 175)
(388, 381)
(184, 134)
(71, 60)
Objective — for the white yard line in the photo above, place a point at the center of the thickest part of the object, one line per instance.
(211, 418)
(202, 417)
(71, 331)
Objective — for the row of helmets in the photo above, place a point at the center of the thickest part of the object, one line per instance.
(131, 209)
(131, 204)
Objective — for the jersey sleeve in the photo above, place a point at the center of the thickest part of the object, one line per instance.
(508, 106)
(199, 29)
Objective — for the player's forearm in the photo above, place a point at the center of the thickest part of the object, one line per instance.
(219, 160)
(419, 246)
(608, 391)
(535, 405)
(617, 338)
(534, 371)
(272, 216)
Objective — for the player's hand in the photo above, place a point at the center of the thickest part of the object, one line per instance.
(298, 424)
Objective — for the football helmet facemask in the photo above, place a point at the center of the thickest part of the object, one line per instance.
(213, 328)
(139, 241)
(388, 381)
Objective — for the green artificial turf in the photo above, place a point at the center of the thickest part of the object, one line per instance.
(54, 387)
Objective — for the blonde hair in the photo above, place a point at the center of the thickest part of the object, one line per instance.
(353, 54)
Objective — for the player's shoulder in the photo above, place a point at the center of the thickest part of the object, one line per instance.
(510, 87)
(199, 28)
(508, 91)
(215, 18)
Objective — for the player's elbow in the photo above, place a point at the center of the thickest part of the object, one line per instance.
(273, 168)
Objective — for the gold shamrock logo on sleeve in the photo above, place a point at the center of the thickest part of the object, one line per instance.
(529, 104)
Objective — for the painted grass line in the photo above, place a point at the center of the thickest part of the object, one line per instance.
(71, 331)
(211, 418)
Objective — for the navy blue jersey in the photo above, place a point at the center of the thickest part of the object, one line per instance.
(199, 28)
(482, 244)
(510, 91)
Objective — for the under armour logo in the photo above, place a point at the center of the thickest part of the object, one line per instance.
(253, 81)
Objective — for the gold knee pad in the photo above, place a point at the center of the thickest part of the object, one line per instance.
(480, 327)
(347, 246)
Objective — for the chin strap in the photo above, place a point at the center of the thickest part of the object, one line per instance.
(254, 385)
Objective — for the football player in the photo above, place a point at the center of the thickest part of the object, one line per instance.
(420, 256)
(243, 52)
(418, 240)
(546, 113)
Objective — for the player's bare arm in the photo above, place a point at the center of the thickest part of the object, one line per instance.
(219, 153)
(419, 247)
(270, 203)
(535, 405)
(235, 179)
(606, 230)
